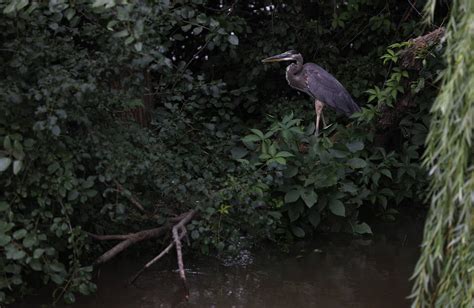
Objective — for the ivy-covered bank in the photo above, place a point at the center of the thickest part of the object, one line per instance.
(119, 116)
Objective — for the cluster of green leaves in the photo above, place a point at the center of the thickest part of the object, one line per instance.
(323, 181)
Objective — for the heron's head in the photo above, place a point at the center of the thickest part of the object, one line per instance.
(289, 55)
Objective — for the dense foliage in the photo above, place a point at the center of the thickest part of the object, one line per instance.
(74, 75)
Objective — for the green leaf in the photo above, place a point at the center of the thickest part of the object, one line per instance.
(310, 198)
(201, 18)
(53, 167)
(29, 241)
(18, 255)
(186, 28)
(4, 163)
(4, 206)
(5, 226)
(55, 130)
(10, 8)
(70, 13)
(21, 4)
(337, 207)
(292, 196)
(111, 24)
(238, 152)
(250, 138)
(4, 239)
(197, 30)
(17, 164)
(57, 267)
(357, 163)
(38, 253)
(386, 172)
(36, 265)
(258, 133)
(7, 143)
(122, 33)
(138, 46)
(279, 160)
(284, 154)
(355, 146)
(72, 195)
(91, 193)
(57, 278)
(297, 231)
(362, 228)
(19, 234)
(272, 150)
(233, 39)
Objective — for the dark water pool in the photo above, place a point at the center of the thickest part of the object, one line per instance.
(334, 271)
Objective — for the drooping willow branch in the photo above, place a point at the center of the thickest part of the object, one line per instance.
(444, 274)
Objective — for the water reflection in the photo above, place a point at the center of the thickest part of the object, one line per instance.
(330, 272)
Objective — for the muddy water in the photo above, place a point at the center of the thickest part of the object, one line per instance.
(334, 271)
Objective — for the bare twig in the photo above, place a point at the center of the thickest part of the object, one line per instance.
(196, 55)
(150, 263)
(179, 254)
(184, 219)
(132, 199)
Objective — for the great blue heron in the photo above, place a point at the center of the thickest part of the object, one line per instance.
(312, 79)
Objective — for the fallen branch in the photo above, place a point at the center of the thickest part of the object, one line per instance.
(177, 237)
(179, 255)
(127, 240)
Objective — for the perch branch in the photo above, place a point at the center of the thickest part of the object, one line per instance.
(410, 60)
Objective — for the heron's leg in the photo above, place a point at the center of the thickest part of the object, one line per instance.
(318, 106)
(322, 118)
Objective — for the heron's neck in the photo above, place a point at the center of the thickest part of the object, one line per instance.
(295, 68)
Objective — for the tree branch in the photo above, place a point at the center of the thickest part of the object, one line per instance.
(132, 199)
(410, 60)
(186, 218)
(127, 240)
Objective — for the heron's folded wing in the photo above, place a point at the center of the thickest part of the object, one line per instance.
(326, 88)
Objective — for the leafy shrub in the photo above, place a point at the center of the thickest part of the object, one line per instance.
(323, 181)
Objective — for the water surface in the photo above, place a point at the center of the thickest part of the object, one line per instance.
(333, 271)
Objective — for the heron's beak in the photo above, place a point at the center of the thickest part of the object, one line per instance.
(278, 58)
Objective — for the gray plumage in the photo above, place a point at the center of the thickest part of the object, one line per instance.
(317, 83)
(320, 85)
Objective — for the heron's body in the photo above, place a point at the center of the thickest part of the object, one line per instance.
(312, 79)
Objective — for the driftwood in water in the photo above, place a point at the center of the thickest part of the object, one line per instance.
(178, 232)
